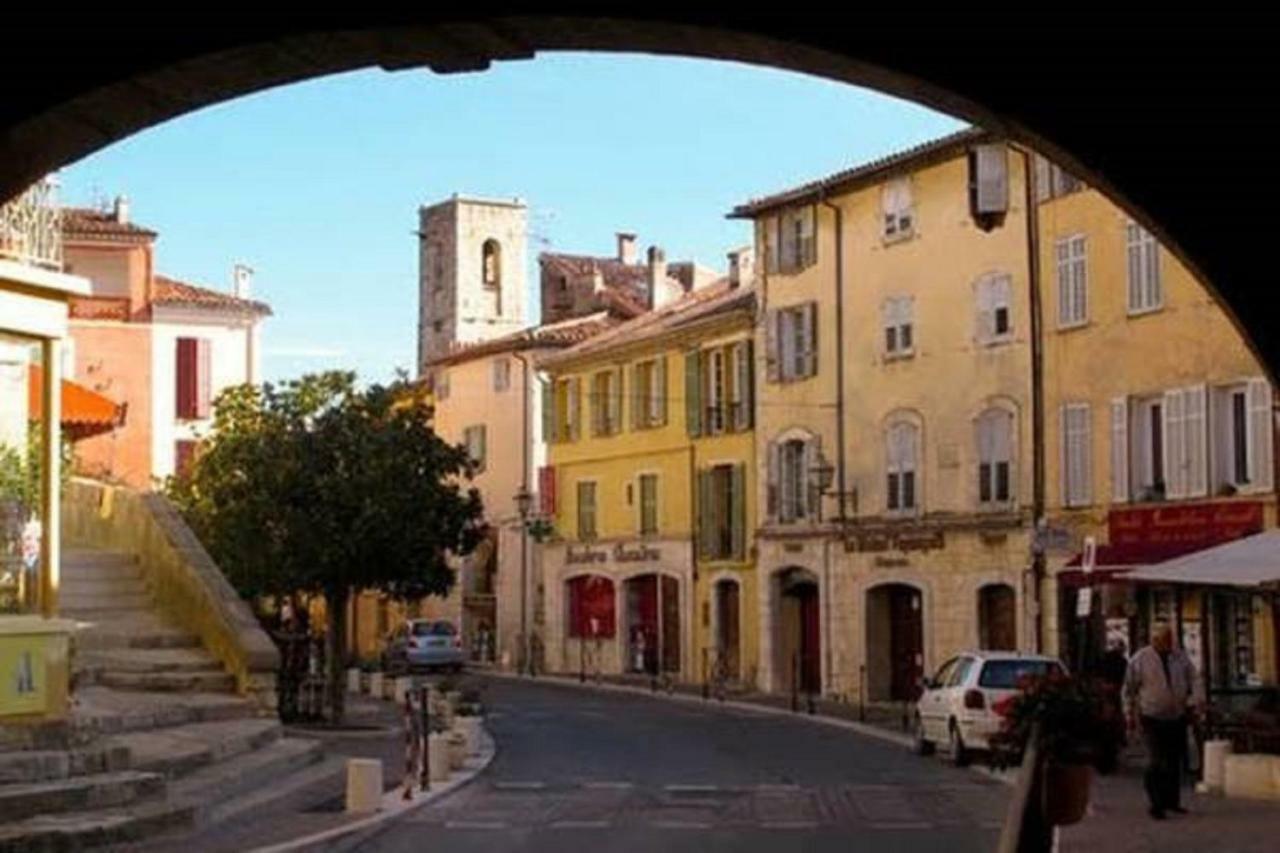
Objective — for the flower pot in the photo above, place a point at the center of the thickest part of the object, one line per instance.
(1066, 792)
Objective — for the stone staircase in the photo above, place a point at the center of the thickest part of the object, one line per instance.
(158, 739)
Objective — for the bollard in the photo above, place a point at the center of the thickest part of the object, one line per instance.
(403, 686)
(353, 680)
(375, 685)
(470, 726)
(364, 785)
(1215, 760)
(795, 683)
(862, 693)
(457, 740)
(438, 755)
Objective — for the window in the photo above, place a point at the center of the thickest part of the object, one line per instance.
(715, 383)
(193, 372)
(995, 457)
(902, 454)
(1159, 445)
(897, 315)
(988, 184)
(591, 606)
(648, 394)
(719, 389)
(501, 374)
(1146, 448)
(792, 342)
(1073, 293)
(994, 296)
(897, 209)
(722, 512)
(648, 504)
(586, 511)
(790, 240)
(473, 437)
(606, 402)
(741, 393)
(1145, 293)
(1242, 437)
(1053, 181)
(561, 409)
(1007, 674)
(491, 263)
(1077, 486)
(789, 480)
(184, 453)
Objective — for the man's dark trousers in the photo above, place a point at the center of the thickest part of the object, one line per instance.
(1166, 741)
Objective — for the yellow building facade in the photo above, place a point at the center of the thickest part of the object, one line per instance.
(895, 433)
(651, 478)
(1159, 436)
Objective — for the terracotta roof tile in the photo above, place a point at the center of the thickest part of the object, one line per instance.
(864, 171)
(560, 334)
(169, 291)
(88, 222)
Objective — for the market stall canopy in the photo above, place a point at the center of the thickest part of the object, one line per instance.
(1253, 561)
(84, 412)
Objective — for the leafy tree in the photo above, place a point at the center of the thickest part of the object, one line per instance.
(315, 486)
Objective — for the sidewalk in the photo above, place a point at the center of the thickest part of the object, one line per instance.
(1118, 822)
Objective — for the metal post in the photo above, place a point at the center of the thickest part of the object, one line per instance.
(862, 693)
(706, 684)
(582, 660)
(795, 682)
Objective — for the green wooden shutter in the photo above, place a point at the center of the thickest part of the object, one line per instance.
(705, 515)
(615, 402)
(738, 511)
(660, 383)
(575, 408)
(549, 411)
(693, 392)
(637, 419)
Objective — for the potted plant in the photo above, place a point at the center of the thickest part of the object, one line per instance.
(1070, 719)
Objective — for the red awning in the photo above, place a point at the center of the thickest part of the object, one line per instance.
(84, 412)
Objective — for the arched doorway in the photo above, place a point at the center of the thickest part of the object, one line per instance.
(728, 637)
(652, 607)
(798, 631)
(895, 642)
(998, 617)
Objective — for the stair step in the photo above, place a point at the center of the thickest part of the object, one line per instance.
(109, 710)
(148, 660)
(77, 830)
(206, 681)
(101, 563)
(208, 788)
(79, 793)
(180, 750)
(141, 631)
(77, 586)
(78, 603)
(44, 765)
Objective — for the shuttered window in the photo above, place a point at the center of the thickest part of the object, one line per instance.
(791, 240)
(792, 342)
(587, 531)
(993, 296)
(989, 180)
(1185, 442)
(474, 439)
(648, 504)
(648, 393)
(722, 512)
(902, 453)
(899, 330)
(897, 209)
(995, 458)
(193, 375)
(1243, 435)
(1120, 449)
(1145, 289)
(606, 402)
(1076, 452)
(501, 374)
(1073, 286)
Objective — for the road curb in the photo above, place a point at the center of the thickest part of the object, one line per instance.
(864, 729)
(393, 807)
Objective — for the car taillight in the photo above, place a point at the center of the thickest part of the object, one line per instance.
(974, 700)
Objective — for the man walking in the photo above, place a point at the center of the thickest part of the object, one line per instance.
(1162, 690)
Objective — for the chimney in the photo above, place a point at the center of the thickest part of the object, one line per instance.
(626, 248)
(662, 291)
(241, 281)
(741, 267)
(121, 211)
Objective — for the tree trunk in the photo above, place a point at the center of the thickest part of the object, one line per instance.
(335, 608)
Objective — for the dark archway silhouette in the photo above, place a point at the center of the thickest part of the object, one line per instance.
(1139, 110)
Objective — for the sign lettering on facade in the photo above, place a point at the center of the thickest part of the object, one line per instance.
(621, 553)
(1173, 530)
(905, 540)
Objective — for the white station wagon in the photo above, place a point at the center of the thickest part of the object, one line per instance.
(955, 706)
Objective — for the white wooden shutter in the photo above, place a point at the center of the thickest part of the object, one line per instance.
(1064, 458)
(1079, 280)
(992, 162)
(1062, 251)
(772, 480)
(810, 321)
(787, 320)
(1120, 450)
(1078, 487)
(1195, 432)
(1261, 434)
(1175, 445)
(986, 319)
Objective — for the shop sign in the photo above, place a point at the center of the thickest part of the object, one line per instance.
(1179, 529)
(915, 539)
(22, 675)
(1084, 602)
(621, 553)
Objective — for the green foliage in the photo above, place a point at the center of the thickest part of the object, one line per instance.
(20, 470)
(316, 486)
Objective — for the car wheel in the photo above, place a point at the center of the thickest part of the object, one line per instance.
(920, 744)
(956, 752)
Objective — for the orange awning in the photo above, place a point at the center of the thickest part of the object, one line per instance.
(84, 412)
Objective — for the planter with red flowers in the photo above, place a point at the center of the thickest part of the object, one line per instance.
(1069, 718)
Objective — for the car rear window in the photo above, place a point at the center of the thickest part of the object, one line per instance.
(1005, 674)
(434, 629)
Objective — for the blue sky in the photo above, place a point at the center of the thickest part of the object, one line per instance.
(317, 185)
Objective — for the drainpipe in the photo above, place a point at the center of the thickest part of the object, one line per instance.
(1037, 393)
(842, 491)
(524, 532)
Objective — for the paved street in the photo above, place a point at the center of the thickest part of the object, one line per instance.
(622, 772)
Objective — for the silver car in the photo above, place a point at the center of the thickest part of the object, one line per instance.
(424, 644)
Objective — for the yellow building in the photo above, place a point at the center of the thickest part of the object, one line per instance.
(652, 456)
(1159, 435)
(896, 421)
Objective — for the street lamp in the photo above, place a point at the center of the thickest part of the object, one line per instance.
(524, 503)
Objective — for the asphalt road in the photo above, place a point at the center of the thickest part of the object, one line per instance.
(580, 770)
